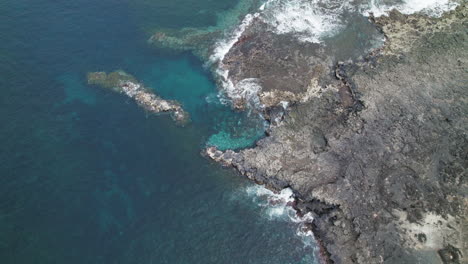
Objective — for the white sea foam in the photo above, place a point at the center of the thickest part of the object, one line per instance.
(278, 206)
(429, 7)
(309, 21)
(222, 47)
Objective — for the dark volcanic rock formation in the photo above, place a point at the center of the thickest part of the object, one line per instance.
(122, 82)
(285, 74)
(380, 155)
(284, 67)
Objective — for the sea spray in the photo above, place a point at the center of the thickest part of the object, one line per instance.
(311, 20)
(221, 49)
(308, 21)
(433, 8)
(245, 93)
(279, 207)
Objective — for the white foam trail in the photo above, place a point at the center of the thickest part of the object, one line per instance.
(433, 8)
(221, 49)
(223, 46)
(309, 20)
(278, 206)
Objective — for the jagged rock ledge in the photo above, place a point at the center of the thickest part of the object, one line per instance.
(379, 155)
(122, 82)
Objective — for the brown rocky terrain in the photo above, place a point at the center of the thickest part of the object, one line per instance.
(284, 74)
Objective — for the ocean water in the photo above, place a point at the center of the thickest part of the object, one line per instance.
(86, 176)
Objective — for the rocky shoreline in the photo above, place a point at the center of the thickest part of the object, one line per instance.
(375, 149)
(123, 82)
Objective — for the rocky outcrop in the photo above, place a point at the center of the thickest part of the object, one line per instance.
(380, 156)
(122, 82)
(403, 32)
(283, 74)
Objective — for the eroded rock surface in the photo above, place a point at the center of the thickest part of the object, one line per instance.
(386, 181)
(122, 82)
(283, 74)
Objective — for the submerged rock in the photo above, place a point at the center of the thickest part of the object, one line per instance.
(379, 156)
(202, 40)
(198, 41)
(122, 82)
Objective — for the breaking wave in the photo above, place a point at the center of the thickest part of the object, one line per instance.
(279, 206)
(221, 49)
(312, 19)
(309, 21)
(429, 7)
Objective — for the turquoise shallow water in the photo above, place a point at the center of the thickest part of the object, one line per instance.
(86, 176)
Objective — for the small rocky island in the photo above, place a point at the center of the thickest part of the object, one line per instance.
(376, 148)
(123, 82)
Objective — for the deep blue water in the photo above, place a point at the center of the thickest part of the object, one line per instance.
(86, 176)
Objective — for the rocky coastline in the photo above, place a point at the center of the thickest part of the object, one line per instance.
(122, 82)
(375, 148)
